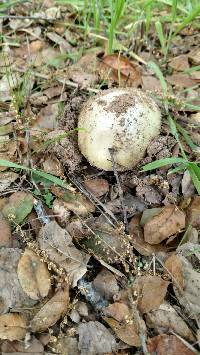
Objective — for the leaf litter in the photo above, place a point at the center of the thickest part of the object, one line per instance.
(79, 274)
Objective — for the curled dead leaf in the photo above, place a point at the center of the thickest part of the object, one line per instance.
(173, 266)
(167, 344)
(33, 275)
(120, 68)
(170, 220)
(12, 326)
(150, 291)
(52, 311)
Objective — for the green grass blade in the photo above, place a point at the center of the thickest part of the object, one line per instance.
(37, 172)
(160, 76)
(187, 20)
(163, 162)
(186, 137)
(195, 178)
(159, 30)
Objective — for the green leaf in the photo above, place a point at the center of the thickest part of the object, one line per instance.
(163, 162)
(195, 178)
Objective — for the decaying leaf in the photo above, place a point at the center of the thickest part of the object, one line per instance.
(174, 267)
(74, 201)
(107, 243)
(179, 63)
(52, 311)
(11, 293)
(95, 338)
(6, 179)
(12, 326)
(150, 291)
(166, 317)
(18, 207)
(166, 223)
(128, 333)
(167, 344)
(97, 186)
(58, 245)
(189, 296)
(119, 68)
(5, 232)
(101, 282)
(33, 275)
(193, 212)
(181, 80)
(66, 345)
(33, 346)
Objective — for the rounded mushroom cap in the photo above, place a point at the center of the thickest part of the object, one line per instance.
(124, 120)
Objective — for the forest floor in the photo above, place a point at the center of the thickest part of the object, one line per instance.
(95, 262)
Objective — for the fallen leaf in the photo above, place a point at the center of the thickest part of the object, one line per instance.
(194, 118)
(137, 237)
(187, 185)
(84, 72)
(180, 80)
(97, 186)
(167, 344)
(118, 67)
(6, 179)
(173, 266)
(107, 243)
(179, 63)
(34, 346)
(194, 56)
(12, 326)
(151, 83)
(150, 291)
(119, 311)
(166, 317)
(33, 275)
(18, 207)
(52, 165)
(66, 345)
(7, 83)
(189, 296)
(193, 212)
(58, 245)
(101, 282)
(63, 44)
(52, 311)
(170, 220)
(5, 232)
(74, 201)
(95, 338)
(128, 333)
(11, 293)
(47, 117)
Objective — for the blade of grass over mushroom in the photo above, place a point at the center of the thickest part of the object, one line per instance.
(163, 162)
(37, 172)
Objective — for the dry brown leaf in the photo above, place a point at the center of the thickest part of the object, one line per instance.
(167, 345)
(33, 346)
(33, 275)
(52, 165)
(118, 311)
(11, 293)
(97, 186)
(189, 296)
(166, 223)
(193, 213)
(6, 179)
(66, 345)
(194, 118)
(166, 317)
(5, 232)
(58, 245)
(12, 326)
(151, 291)
(84, 72)
(194, 56)
(151, 83)
(137, 239)
(128, 333)
(179, 63)
(181, 80)
(112, 65)
(95, 338)
(74, 201)
(52, 311)
(174, 266)
(101, 282)
(47, 117)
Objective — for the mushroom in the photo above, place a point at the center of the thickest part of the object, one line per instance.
(122, 121)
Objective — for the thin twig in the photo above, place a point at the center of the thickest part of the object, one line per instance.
(121, 195)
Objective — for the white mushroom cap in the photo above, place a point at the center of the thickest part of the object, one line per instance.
(124, 120)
